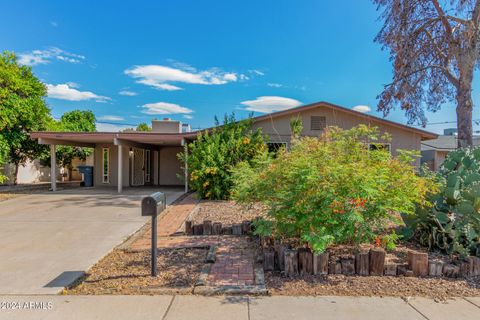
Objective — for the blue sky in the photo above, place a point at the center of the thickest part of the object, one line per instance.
(131, 61)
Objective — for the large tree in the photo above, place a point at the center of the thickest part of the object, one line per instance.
(22, 110)
(435, 49)
(73, 121)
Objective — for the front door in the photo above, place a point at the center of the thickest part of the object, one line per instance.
(138, 167)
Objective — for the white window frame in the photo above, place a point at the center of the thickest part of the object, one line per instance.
(106, 176)
(148, 172)
(388, 145)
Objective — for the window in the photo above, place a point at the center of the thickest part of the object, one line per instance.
(273, 147)
(317, 123)
(379, 146)
(106, 165)
(147, 165)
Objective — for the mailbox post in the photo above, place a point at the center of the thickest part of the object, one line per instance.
(152, 205)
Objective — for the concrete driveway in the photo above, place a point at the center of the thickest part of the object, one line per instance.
(49, 239)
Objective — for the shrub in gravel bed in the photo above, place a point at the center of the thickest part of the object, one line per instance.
(343, 187)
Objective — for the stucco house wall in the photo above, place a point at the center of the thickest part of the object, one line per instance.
(113, 166)
(170, 166)
(278, 128)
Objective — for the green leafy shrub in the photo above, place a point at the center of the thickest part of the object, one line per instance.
(332, 189)
(452, 224)
(211, 157)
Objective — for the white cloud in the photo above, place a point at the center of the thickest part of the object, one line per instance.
(257, 72)
(162, 77)
(54, 24)
(164, 108)
(46, 56)
(127, 93)
(72, 84)
(187, 116)
(66, 92)
(274, 85)
(110, 118)
(107, 127)
(362, 109)
(267, 104)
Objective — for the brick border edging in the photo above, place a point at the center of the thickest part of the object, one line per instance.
(127, 243)
(202, 288)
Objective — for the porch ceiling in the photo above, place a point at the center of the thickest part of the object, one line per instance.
(90, 139)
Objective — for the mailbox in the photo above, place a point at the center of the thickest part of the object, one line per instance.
(151, 207)
(153, 204)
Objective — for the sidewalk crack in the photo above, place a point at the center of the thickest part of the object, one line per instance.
(168, 308)
(417, 310)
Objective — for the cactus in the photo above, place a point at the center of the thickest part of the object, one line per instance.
(452, 224)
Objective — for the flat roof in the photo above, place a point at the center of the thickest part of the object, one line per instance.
(89, 139)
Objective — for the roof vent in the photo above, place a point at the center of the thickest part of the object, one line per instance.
(167, 119)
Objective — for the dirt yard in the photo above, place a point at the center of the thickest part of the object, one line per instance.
(340, 285)
(123, 272)
(226, 212)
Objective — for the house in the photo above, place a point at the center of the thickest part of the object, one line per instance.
(124, 159)
(35, 171)
(435, 151)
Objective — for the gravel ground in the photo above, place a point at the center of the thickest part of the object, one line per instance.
(340, 285)
(226, 212)
(123, 272)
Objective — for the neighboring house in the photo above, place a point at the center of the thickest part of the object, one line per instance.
(150, 158)
(35, 172)
(435, 151)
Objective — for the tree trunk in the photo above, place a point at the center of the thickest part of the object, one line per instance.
(466, 64)
(15, 174)
(464, 115)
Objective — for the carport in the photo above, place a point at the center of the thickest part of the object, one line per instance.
(126, 159)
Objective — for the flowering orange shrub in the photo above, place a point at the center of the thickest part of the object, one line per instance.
(333, 189)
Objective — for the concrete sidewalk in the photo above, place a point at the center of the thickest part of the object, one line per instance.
(232, 308)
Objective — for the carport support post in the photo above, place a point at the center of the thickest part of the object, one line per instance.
(53, 165)
(120, 169)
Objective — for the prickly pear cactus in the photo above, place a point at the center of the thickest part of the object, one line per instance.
(452, 225)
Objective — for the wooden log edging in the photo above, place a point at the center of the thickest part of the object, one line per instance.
(373, 262)
(208, 228)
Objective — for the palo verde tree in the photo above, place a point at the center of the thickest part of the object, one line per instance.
(22, 110)
(435, 50)
(215, 152)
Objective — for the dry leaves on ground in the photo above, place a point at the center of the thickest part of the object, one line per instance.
(341, 285)
(226, 212)
(123, 272)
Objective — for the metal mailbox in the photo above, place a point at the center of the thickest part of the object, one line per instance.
(152, 206)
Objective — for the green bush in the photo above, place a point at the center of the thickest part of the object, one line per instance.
(452, 224)
(333, 189)
(211, 157)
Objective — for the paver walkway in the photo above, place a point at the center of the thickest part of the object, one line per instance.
(235, 258)
(234, 264)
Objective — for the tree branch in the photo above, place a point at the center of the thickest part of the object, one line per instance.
(448, 74)
(443, 18)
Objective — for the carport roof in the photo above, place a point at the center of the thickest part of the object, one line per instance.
(90, 139)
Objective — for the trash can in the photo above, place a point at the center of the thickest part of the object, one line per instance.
(87, 172)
